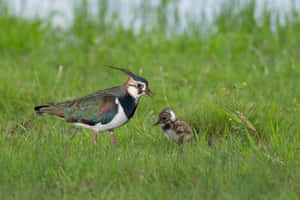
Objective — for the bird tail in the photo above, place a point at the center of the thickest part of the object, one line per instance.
(49, 109)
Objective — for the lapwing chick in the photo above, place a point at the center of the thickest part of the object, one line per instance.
(103, 110)
(174, 129)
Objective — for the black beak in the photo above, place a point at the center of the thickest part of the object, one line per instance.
(148, 92)
(156, 123)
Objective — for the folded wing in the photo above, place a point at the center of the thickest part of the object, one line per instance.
(91, 110)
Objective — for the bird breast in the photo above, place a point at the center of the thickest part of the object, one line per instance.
(171, 134)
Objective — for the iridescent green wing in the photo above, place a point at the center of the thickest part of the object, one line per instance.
(92, 110)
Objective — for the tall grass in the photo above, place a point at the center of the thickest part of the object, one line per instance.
(237, 85)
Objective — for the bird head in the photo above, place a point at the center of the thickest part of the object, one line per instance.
(166, 116)
(136, 86)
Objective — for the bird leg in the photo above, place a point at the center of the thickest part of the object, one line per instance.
(113, 138)
(95, 137)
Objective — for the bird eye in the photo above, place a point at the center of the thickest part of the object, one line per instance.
(139, 85)
(163, 118)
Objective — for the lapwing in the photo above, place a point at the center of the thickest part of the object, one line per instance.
(174, 129)
(103, 110)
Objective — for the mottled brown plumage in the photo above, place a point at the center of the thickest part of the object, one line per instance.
(174, 129)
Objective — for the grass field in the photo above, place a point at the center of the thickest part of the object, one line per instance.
(239, 66)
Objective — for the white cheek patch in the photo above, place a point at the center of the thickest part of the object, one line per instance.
(133, 91)
(173, 117)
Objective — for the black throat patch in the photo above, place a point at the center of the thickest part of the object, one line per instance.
(129, 105)
(166, 127)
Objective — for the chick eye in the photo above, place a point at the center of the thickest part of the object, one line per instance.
(163, 118)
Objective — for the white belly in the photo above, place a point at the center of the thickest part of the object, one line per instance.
(171, 135)
(119, 119)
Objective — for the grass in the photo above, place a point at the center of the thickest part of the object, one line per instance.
(239, 67)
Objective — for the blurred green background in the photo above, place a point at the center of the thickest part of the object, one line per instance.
(233, 76)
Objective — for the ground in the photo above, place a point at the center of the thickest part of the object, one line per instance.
(238, 87)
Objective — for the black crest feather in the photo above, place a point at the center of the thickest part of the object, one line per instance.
(130, 74)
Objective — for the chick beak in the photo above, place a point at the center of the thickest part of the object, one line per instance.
(148, 92)
(156, 123)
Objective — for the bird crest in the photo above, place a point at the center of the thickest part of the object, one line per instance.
(129, 74)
